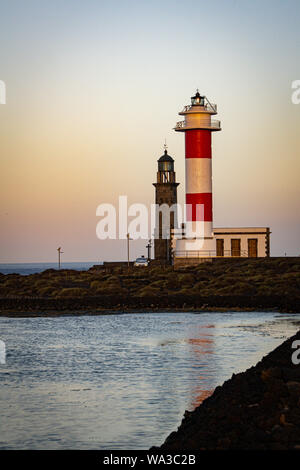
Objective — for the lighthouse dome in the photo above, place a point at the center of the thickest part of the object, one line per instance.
(165, 162)
(165, 158)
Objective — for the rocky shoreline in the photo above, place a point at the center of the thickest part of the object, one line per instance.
(12, 313)
(258, 409)
(108, 304)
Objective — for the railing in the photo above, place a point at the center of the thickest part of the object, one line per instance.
(214, 124)
(180, 125)
(207, 107)
(210, 254)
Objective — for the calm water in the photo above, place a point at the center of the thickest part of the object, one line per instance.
(120, 381)
(31, 268)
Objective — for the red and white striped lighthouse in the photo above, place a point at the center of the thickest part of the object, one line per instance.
(198, 127)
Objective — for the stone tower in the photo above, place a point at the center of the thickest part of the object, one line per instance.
(165, 194)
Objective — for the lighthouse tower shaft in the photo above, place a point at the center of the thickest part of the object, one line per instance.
(198, 127)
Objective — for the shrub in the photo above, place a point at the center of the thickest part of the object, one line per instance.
(12, 283)
(148, 290)
(72, 292)
(172, 281)
(94, 285)
(46, 291)
(113, 280)
(154, 271)
(158, 284)
(185, 291)
(110, 290)
(3, 291)
(186, 279)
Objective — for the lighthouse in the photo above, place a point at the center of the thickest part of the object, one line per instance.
(165, 195)
(198, 126)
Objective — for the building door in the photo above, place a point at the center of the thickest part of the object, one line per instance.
(220, 247)
(235, 247)
(252, 247)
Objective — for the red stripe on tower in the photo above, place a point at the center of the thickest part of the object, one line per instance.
(198, 144)
(199, 207)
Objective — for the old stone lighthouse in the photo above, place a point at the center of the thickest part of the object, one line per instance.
(165, 193)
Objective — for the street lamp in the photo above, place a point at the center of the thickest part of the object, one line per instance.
(128, 239)
(59, 253)
(149, 246)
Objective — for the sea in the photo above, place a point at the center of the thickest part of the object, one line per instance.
(31, 268)
(121, 381)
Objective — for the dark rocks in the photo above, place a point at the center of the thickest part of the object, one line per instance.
(294, 388)
(256, 409)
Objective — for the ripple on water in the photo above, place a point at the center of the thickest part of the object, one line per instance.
(121, 381)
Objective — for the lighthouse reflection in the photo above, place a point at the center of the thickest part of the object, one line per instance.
(201, 349)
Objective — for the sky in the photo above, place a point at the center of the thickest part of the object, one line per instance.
(93, 89)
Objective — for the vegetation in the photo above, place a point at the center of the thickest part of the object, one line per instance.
(279, 277)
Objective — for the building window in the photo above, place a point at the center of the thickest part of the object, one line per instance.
(220, 247)
(252, 247)
(235, 247)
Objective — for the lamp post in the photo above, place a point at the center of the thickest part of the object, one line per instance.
(59, 253)
(128, 239)
(149, 246)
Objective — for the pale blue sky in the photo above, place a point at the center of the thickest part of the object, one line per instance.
(94, 88)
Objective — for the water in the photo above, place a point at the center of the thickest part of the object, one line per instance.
(31, 268)
(121, 381)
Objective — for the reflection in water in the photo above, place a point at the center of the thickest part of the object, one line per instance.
(120, 381)
(201, 346)
(200, 396)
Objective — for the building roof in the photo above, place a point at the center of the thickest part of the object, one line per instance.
(165, 158)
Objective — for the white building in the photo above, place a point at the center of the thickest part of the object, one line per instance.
(238, 242)
(250, 242)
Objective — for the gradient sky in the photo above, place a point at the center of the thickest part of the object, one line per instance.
(94, 88)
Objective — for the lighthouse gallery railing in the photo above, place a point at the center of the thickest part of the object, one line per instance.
(214, 124)
(210, 254)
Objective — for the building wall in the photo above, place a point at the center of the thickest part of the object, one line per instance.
(262, 235)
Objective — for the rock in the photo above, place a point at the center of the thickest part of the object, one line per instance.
(256, 409)
(275, 372)
(275, 428)
(282, 419)
(293, 387)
